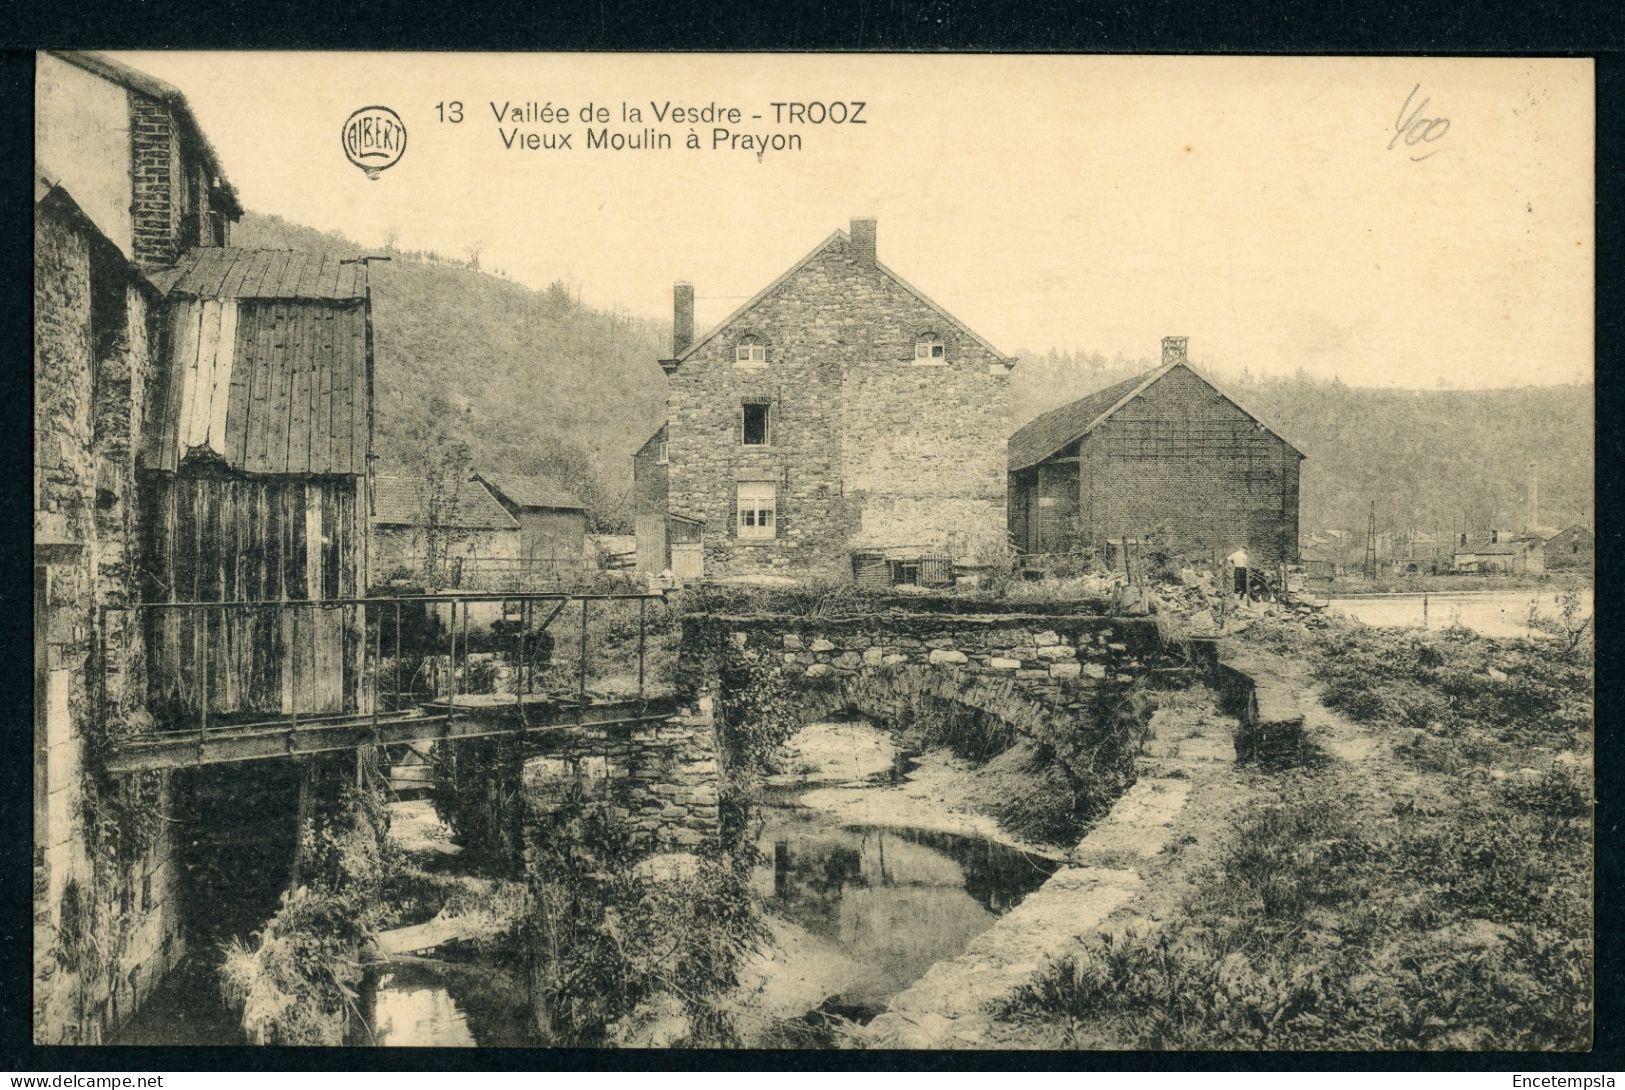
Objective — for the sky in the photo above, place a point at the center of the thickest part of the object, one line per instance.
(1388, 221)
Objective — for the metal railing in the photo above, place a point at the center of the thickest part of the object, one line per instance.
(280, 665)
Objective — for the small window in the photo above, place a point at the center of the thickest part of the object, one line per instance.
(660, 453)
(928, 349)
(758, 510)
(756, 424)
(905, 573)
(750, 352)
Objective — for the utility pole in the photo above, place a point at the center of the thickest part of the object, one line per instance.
(1371, 543)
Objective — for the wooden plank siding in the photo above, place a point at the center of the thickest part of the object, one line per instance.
(263, 386)
(229, 538)
(1179, 464)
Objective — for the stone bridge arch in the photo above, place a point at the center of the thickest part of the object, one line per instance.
(904, 692)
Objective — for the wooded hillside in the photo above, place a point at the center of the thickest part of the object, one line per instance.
(1431, 459)
(535, 383)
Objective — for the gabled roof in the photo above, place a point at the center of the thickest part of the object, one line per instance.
(530, 492)
(1058, 428)
(837, 235)
(400, 501)
(135, 80)
(229, 272)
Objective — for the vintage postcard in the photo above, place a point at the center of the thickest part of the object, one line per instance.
(813, 551)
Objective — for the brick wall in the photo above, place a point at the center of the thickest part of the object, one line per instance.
(156, 207)
(867, 449)
(170, 209)
(84, 492)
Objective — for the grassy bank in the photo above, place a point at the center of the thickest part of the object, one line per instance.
(1422, 883)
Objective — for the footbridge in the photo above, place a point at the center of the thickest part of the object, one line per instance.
(246, 681)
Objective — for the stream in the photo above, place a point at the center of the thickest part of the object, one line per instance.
(858, 911)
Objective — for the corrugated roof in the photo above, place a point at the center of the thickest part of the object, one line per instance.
(531, 492)
(229, 272)
(400, 501)
(1061, 427)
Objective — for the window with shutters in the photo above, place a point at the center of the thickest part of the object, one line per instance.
(758, 510)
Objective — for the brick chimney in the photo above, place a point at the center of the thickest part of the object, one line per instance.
(155, 214)
(863, 241)
(682, 318)
(1173, 350)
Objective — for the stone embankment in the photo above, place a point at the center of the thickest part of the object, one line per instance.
(1130, 871)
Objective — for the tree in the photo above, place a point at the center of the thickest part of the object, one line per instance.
(442, 467)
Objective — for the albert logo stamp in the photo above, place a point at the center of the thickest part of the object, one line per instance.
(374, 139)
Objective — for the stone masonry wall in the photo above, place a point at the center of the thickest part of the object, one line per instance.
(665, 775)
(84, 493)
(867, 449)
(1015, 666)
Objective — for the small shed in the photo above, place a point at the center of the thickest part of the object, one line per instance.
(1165, 456)
(1571, 549)
(440, 534)
(253, 470)
(552, 521)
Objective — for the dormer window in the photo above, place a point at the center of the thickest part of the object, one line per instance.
(928, 350)
(750, 352)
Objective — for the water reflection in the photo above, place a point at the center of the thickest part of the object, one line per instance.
(1496, 613)
(888, 903)
(417, 1013)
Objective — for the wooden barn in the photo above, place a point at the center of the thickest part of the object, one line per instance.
(252, 479)
(1165, 458)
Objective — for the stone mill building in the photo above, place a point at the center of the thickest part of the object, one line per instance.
(838, 423)
(1165, 459)
(203, 423)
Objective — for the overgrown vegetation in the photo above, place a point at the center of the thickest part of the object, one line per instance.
(1353, 912)
(295, 982)
(621, 956)
(1062, 781)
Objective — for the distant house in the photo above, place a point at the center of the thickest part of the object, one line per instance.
(1165, 456)
(1321, 563)
(437, 536)
(839, 422)
(1498, 551)
(552, 522)
(1573, 549)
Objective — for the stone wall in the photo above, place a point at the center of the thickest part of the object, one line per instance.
(88, 404)
(1014, 665)
(663, 778)
(401, 548)
(867, 448)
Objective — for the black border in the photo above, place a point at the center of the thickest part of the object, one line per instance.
(1532, 27)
